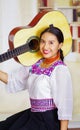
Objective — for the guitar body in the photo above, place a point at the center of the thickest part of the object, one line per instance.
(20, 35)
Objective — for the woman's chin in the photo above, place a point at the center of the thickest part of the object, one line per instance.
(45, 56)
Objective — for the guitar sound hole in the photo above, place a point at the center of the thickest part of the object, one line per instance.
(34, 45)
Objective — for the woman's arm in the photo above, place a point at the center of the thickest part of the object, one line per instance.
(63, 124)
(62, 95)
(3, 77)
(16, 80)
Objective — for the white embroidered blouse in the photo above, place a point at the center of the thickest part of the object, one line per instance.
(52, 83)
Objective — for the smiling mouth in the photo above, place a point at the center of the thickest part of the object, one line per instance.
(46, 52)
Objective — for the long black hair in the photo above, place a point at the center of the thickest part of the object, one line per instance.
(58, 33)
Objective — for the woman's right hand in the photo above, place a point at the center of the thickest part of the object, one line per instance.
(3, 77)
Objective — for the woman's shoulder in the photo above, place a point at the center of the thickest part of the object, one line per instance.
(60, 67)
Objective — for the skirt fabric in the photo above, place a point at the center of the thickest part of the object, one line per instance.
(27, 120)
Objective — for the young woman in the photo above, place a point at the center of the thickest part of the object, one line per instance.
(50, 88)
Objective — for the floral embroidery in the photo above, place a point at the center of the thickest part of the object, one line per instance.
(36, 69)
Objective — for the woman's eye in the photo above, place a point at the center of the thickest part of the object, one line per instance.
(51, 42)
(42, 41)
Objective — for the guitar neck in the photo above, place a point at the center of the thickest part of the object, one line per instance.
(14, 53)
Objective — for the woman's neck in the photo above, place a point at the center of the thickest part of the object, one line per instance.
(49, 61)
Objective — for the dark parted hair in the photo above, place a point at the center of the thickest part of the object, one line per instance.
(58, 33)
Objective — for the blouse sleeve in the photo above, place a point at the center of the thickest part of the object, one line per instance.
(62, 92)
(17, 79)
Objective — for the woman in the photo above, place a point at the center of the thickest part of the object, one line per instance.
(50, 88)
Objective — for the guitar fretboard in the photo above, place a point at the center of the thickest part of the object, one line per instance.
(14, 53)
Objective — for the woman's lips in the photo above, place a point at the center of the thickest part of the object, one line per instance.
(45, 51)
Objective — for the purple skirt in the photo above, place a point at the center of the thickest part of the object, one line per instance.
(27, 120)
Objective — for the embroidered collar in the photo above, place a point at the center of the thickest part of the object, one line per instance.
(36, 69)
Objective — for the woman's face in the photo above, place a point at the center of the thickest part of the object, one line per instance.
(49, 45)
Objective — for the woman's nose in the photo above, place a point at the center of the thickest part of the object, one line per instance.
(46, 46)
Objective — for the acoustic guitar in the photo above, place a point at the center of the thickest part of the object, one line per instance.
(24, 41)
